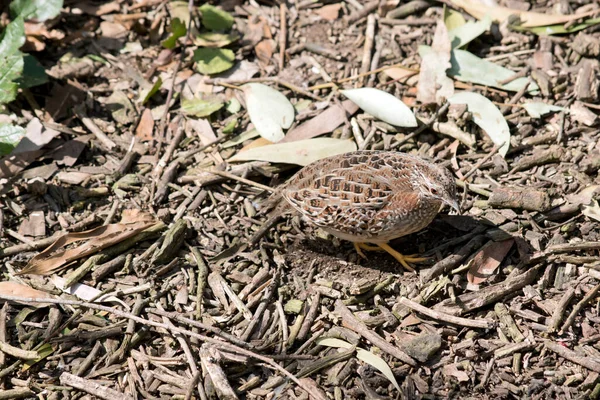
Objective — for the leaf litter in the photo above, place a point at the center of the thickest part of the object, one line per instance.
(269, 285)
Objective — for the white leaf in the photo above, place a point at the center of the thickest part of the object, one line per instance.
(383, 106)
(85, 292)
(536, 109)
(302, 152)
(466, 33)
(591, 211)
(363, 355)
(487, 116)
(269, 110)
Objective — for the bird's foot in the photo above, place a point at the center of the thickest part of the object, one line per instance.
(403, 259)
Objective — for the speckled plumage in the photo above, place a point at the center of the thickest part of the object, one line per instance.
(371, 196)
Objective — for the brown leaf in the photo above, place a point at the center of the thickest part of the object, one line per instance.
(35, 225)
(14, 163)
(264, 51)
(452, 370)
(399, 73)
(255, 143)
(56, 256)
(329, 12)
(69, 152)
(19, 290)
(487, 260)
(323, 123)
(146, 126)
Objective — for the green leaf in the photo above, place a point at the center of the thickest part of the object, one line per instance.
(467, 67)
(230, 126)
(11, 59)
(147, 93)
(213, 61)
(557, 29)
(40, 10)
(215, 39)
(178, 30)
(34, 73)
(201, 107)
(233, 106)
(453, 19)
(215, 19)
(241, 138)
(464, 34)
(44, 351)
(366, 356)
(536, 109)
(10, 136)
(487, 116)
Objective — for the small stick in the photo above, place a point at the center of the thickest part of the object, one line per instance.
(471, 323)
(163, 119)
(586, 299)
(482, 161)
(359, 327)
(585, 361)
(368, 49)
(282, 34)
(173, 329)
(519, 74)
(234, 177)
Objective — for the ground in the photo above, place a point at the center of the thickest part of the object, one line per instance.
(185, 284)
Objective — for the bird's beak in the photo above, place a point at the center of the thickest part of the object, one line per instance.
(454, 204)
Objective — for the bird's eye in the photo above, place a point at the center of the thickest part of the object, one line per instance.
(434, 191)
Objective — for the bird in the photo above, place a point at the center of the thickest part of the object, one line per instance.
(371, 197)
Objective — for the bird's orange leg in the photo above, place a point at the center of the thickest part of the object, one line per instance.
(404, 260)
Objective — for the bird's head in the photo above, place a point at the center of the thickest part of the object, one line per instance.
(438, 183)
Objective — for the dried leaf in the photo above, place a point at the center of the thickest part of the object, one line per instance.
(452, 370)
(330, 12)
(269, 110)
(487, 260)
(584, 196)
(399, 73)
(434, 85)
(323, 123)
(85, 292)
(19, 290)
(591, 211)
(145, 128)
(366, 356)
(95, 239)
(487, 116)
(501, 14)
(36, 137)
(264, 51)
(383, 106)
(302, 152)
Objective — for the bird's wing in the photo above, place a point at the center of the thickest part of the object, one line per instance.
(339, 197)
